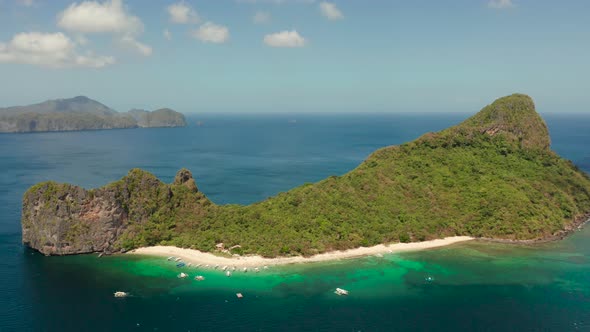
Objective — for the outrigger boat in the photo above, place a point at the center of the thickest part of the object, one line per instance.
(340, 291)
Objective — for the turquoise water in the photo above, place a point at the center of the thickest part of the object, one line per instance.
(468, 286)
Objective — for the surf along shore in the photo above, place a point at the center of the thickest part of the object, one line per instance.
(205, 258)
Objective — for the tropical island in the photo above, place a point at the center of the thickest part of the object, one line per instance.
(492, 176)
(81, 113)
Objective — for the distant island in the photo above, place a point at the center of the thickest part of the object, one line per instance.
(493, 176)
(81, 113)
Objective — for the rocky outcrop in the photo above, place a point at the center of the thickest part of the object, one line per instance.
(61, 219)
(163, 117)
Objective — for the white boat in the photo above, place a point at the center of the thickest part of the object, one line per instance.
(239, 295)
(216, 266)
(170, 258)
(189, 264)
(182, 275)
(228, 273)
(245, 269)
(199, 278)
(256, 270)
(340, 291)
(121, 294)
(265, 267)
(224, 267)
(178, 259)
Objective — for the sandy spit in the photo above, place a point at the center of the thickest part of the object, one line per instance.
(204, 258)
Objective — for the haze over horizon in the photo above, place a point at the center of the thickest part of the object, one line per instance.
(296, 55)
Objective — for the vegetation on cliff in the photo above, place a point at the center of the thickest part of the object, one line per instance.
(81, 113)
(492, 176)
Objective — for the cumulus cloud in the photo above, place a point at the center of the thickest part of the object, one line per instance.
(500, 4)
(132, 44)
(261, 17)
(167, 34)
(182, 13)
(285, 39)
(48, 50)
(212, 33)
(330, 11)
(104, 17)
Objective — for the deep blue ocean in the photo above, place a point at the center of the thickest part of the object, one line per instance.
(245, 158)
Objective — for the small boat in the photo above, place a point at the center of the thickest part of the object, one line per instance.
(340, 291)
(233, 268)
(199, 278)
(216, 266)
(170, 258)
(239, 295)
(189, 264)
(429, 279)
(265, 267)
(178, 259)
(121, 294)
(224, 267)
(198, 265)
(245, 269)
(181, 264)
(378, 255)
(256, 270)
(207, 265)
(228, 273)
(182, 275)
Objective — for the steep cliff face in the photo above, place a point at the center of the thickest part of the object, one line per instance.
(61, 219)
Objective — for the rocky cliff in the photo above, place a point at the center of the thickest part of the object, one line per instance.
(61, 219)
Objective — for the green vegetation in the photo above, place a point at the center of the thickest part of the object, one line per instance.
(491, 176)
(81, 113)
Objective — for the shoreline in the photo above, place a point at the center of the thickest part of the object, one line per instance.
(198, 257)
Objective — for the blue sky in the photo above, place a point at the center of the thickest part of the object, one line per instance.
(297, 55)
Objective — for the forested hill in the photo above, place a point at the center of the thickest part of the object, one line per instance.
(492, 176)
(81, 113)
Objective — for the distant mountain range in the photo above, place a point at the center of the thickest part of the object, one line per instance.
(81, 113)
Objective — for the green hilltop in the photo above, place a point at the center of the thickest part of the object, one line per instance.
(492, 176)
(81, 113)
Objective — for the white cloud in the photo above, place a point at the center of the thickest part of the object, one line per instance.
(330, 11)
(261, 17)
(104, 17)
(167, 34)
(48, 50)
(132, 44)
(285, 39)
(182, 13)
(95, 17)
(500, 4)
(212, 33)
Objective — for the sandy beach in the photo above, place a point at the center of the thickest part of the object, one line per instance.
(204, 258)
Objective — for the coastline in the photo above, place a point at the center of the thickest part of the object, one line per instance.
(204, 258)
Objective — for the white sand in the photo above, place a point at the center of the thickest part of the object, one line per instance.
(203, 258)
